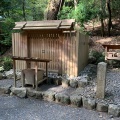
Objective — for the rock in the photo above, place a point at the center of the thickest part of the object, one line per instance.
(10, 74)
(114, 110)
(62, 98)
(49, 95)
(88, 103)
(73, 83)
(65, 82)
(57, 81)
(31, 93)
(50, 81)
(6, 89)
(76, 100)
(111, 116)
(83, 82)
(20, 92)
(1, 76)
(90, 70)
(39, 95)
(102, 107)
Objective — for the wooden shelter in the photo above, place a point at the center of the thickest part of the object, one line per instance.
(56, 40)
(110, 53)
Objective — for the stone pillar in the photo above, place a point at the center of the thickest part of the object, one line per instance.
(101, 80)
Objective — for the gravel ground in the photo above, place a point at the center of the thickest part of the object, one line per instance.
(14, 108)
(112, 84)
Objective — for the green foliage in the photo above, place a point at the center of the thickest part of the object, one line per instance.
(12, 11)
(7, 63)
(66, 13)
(85, 11)
(7, 27)
(95, 57)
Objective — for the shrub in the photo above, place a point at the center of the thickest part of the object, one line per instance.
(95, 57)
(7, 63)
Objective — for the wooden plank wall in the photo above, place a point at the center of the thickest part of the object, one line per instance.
(83, 51)
(19, 48)
(56, 47)
(60, 48)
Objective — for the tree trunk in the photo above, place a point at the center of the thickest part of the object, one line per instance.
(75, 4)
(102, 19)
(102, 27)
(109, 21)
(54, 7)
(23, 9)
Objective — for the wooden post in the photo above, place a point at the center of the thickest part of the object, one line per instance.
(36, 75)
(28, 63)
(14, 68)
(105, 53)
(47, 71)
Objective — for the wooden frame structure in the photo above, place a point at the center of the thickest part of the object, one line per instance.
(111, 55)
(55, 40)
(36, 60)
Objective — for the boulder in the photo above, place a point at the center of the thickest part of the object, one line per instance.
(76, 100)
(1, 76)
(114, 110)
(74, 83)
(82, 82)
(49, 95)
(65, 83)
(20, 92)
(6, 89)
(88, 103)
(10, 74)
(39, 95)
(62, 98)
(31, 92)
(102, 107)
(57, 81)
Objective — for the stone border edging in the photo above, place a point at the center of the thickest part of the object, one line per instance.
(73, 100)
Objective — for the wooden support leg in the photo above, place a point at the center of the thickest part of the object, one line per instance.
(47, 71)
(23, 78)
(14, 68)
(36, 75)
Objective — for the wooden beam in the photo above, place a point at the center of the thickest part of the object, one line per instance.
(14, 68)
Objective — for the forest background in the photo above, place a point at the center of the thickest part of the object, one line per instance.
(95, 17)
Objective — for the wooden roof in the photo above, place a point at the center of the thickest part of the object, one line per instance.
(46, 24)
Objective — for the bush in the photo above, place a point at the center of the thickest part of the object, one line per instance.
(95, 57)
(7, 63)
